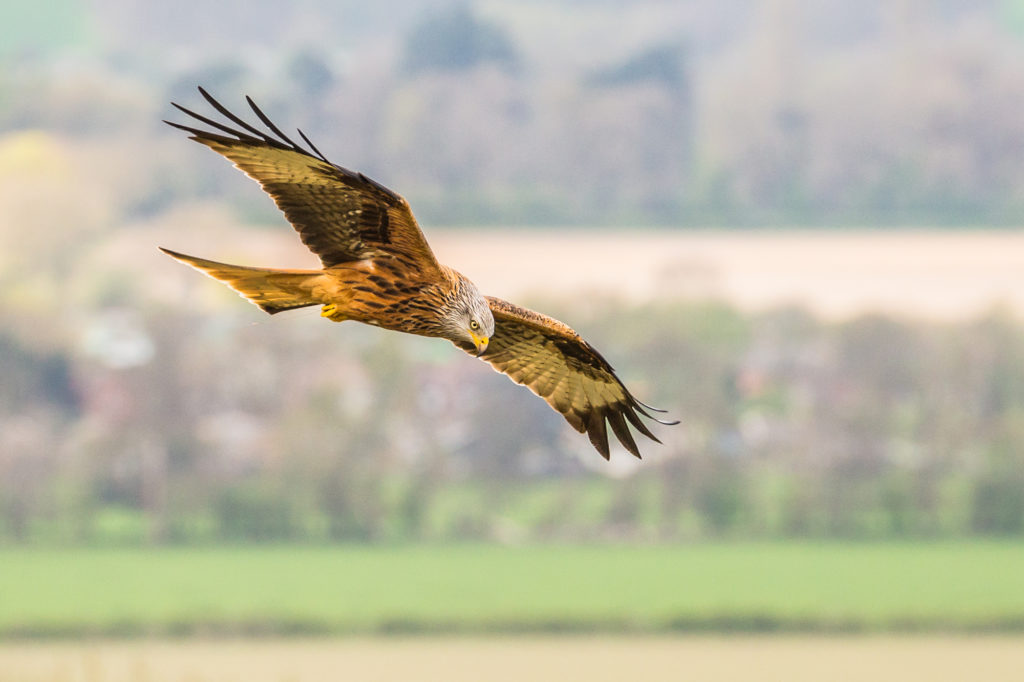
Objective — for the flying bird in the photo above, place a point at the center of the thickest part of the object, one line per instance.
(378, 269)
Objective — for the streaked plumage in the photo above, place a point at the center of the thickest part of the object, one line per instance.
(378, 269)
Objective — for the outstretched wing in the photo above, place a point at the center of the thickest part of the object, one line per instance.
(340, 215)
(554, 362)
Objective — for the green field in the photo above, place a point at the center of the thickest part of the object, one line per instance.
(964, 586)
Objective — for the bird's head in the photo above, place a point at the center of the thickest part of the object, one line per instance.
(469, 320)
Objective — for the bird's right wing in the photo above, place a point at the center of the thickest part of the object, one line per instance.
(557, 364)
(340, 215)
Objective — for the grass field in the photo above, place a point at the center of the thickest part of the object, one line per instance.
(831, 587)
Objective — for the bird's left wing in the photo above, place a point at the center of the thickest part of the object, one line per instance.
(557, 364)
(341, 215)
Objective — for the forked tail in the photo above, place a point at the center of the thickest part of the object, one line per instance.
(270, 289)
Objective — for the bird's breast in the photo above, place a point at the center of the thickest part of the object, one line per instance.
(377, 295)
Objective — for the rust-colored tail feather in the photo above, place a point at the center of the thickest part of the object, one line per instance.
(272, 290)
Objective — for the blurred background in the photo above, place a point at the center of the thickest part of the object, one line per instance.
(794, 225)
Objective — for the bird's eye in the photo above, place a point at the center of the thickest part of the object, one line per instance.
(473, 325)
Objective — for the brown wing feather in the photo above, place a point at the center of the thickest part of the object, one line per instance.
(557, 364)
(339, 214)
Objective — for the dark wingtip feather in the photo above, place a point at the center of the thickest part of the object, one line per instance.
(312, 146)
(247, 132)
(178, 125)
(650, 407)
(598, 433)
(638, 424)
(226, 113)
(629, 394)
(663, 422)
(267, 122)
(237, 134)
(642, 409)
(621, 430)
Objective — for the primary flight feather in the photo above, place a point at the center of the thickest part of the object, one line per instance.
(379, 269)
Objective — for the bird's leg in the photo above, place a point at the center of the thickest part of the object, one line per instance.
(332, 313)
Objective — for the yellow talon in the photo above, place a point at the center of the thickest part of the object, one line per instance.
(331, 312)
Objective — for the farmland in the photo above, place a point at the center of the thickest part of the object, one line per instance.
(512, 659)
(969, 586)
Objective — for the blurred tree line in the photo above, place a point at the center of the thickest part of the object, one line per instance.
(164, 426)
(687, 113)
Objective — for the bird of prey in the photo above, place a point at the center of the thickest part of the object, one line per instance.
(378, 269)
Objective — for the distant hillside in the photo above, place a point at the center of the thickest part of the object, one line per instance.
(683, 114)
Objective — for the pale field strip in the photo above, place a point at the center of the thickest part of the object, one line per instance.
(836, 274)
(504, 659)
(938, 275)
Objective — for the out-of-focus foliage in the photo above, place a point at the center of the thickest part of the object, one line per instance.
(683, 113)
(161, 425)
(455, 39)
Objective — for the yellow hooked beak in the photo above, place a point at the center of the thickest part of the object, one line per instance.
(480, 342)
